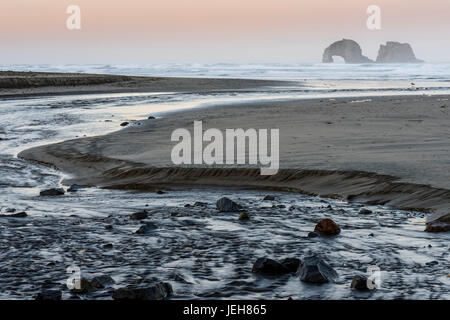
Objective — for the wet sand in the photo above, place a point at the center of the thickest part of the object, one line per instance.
(393, 151)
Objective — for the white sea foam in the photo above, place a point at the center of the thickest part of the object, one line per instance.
(300, 71)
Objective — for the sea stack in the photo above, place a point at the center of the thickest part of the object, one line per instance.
(396, 52)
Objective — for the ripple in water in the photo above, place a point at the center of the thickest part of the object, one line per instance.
(208, 254)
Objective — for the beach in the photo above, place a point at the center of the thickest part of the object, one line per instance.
(90, 184)
(216, 158)
(385, 150)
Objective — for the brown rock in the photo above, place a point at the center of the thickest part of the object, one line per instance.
(328, 227)
(244, 216)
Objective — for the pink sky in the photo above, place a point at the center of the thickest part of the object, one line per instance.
(154, 31)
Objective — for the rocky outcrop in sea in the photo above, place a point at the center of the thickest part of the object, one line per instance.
(351, 52)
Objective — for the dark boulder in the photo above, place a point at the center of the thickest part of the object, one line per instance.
(359, 282)
(269, 198)
(139, 215)
(269, 267)
(159, 291)
(365, 211)
(291, 264)
(82, 285)
(52, 192)
(124, 124)
(226, 205)
(100, 282)
(243, 216)
(327, 227)
(85, 285)
(315, 270)
(15, 215)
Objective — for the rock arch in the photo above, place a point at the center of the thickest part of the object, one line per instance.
(347, 49)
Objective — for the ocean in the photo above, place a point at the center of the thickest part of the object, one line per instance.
(315, 78)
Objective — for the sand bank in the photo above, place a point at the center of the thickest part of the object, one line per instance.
(387, 150)
(20, 84)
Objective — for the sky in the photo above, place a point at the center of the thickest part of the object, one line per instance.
(210, 31)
